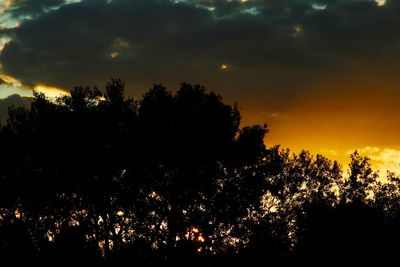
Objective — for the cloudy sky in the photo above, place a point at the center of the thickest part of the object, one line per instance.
(324, 74)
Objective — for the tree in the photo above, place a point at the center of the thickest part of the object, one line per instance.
(186, 137)
(172, 179)
(358, 187)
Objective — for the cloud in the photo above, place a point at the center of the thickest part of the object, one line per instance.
(76, 41)
(20, 10)
(328, 69)
(278, 50)
(383, 159)
(282, 43)
(11, 86)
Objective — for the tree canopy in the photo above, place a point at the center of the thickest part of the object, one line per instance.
(172, 179)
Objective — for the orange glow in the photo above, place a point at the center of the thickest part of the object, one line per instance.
(17, 214)
(120, 213)
(5, 5)
(339, 117)
(49, 91)
(3, 43)
(10, 80)
(380, 2)
(298, 29)
(114, 55)
(224, 67)
(201, 239)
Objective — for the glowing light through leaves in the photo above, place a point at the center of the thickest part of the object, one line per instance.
(298, 29)
(114, 54)
(120, 43)
(201, 239)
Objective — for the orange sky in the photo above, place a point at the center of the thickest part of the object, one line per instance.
(335, 121)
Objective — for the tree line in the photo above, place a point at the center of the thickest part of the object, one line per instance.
(95, 178)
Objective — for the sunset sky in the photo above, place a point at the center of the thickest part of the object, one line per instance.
(323, 74)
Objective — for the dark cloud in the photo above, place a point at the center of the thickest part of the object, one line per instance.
(273, 48)
(32, 8)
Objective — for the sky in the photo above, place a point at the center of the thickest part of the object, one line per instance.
(323, 74)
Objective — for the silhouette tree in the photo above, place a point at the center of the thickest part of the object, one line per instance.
(96, 178)
(16, 240)
(186, 137)
(360, 182)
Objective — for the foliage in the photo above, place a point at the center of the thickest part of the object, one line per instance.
(171, 178)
